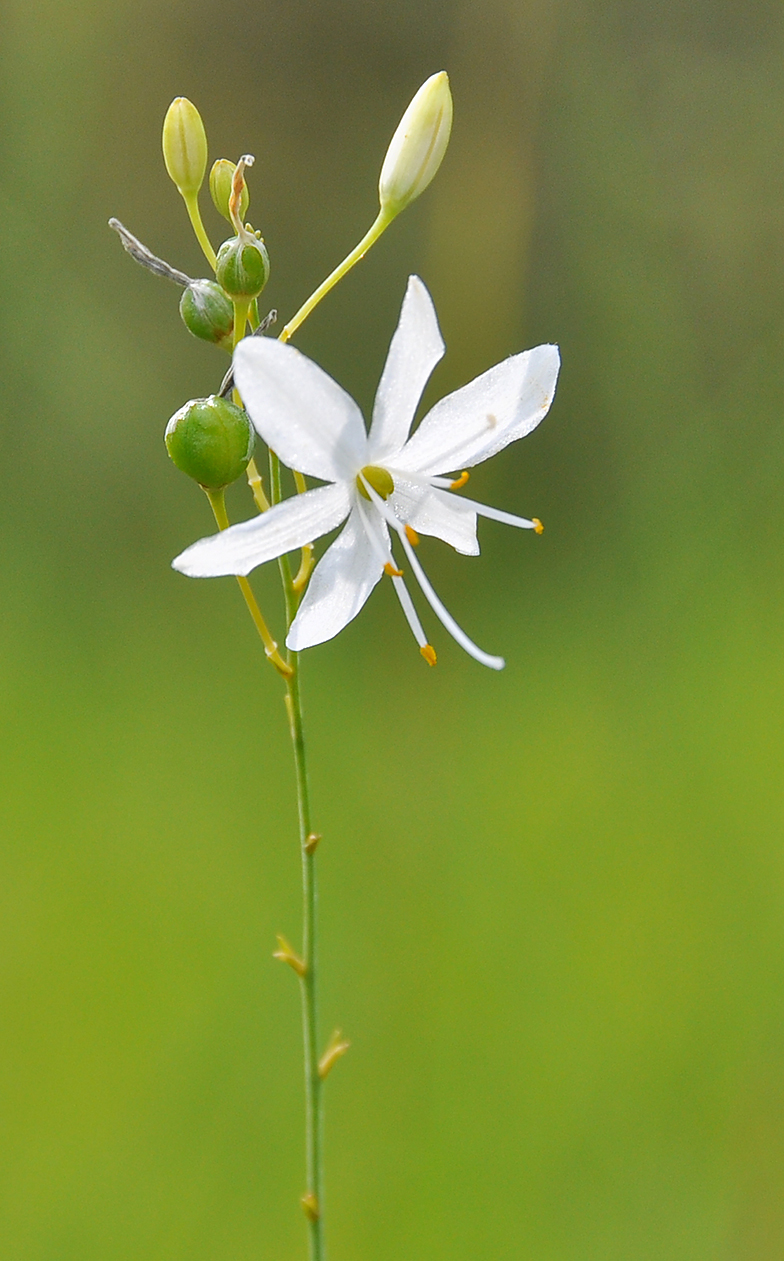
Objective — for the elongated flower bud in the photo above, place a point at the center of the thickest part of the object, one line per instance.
(211, 440)
(418, 146)
(185, 146)
(221, 177)
(208, 312)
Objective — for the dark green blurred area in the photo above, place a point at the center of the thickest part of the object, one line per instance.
(553, 899)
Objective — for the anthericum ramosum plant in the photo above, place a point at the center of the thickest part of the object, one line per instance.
(386, 486)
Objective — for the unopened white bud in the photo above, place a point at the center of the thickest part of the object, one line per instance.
(418, 145)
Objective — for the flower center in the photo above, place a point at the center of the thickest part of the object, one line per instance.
(378, 478)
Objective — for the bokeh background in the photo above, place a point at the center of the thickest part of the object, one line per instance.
(552, 899)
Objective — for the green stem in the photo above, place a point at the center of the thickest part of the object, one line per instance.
(194, 214)
(313, 1200)
(383, 220)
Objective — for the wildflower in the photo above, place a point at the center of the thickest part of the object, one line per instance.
(380, 483)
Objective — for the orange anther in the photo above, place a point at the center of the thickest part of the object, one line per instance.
(429, 653)
(461, 480)
(538, 527)
(412, 536)
(391, 572)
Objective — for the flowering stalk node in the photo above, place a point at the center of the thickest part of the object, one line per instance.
(429, 653)
(336, 1047)
(287, 955)
(310, 1205)
(283, 668)
(311, 842)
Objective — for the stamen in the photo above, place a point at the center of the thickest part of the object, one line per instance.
(412, 536)
(445, 617)
(401, 590)
(407, 605)
(460, 481)
(506, 518)
(538, 527)
(429, 653)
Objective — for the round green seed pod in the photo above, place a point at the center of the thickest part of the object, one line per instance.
(208, 312)
(243, 267)
(211, 440)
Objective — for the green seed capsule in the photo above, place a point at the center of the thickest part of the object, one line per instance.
(208, 312)
(211, 440)
(221, 176)
(243, 267)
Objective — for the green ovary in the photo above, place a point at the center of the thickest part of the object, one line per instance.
(378, 478)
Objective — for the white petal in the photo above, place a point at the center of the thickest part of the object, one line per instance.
(341, 583)
(300, 412)
(501, 405)
(288, 525)
(434, 512)
(414, 352)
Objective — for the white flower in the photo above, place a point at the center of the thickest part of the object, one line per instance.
(382, 481)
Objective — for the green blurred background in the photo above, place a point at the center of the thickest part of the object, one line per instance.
(552, 899)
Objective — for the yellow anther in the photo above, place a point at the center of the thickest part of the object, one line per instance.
(461, 480)
(429, 653)
(412, 536)
(391, 572)
(311, 842)
(538, 527)
(285, 953)
(336, 1047)
(310, 1204)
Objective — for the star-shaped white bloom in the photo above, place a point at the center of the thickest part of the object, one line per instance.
(380, 481)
